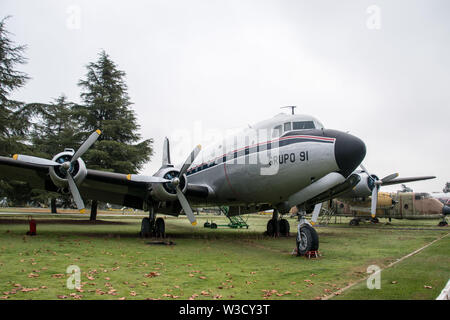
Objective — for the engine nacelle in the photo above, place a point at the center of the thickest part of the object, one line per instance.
(166, 191)
(363, 188)
(77, 170)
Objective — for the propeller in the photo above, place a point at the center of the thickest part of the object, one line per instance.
(66, 166)
(376, 187)
(175, 181)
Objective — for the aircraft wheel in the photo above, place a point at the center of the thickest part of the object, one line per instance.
(270, 230)
(354, 222)
(160, 228)
(145, 228)
(213, 226)
(374, 220)
(284, 227)
(307, 240)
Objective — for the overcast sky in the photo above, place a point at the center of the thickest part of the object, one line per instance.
(379, 69)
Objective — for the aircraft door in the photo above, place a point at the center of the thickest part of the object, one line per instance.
(406, 204)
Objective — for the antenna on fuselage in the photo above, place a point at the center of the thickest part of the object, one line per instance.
(292, 107)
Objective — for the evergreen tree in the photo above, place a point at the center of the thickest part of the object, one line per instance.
(14, 116)
(54, 129)
(107, 107)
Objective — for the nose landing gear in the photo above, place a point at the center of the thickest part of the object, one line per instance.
(307, 242)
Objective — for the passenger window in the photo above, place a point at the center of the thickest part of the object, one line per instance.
(276, 131)
(287, 126)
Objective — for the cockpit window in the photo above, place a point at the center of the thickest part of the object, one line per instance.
(276, 131)
(299, 125)
(287, 126)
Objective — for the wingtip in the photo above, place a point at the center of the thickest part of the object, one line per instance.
(194, 223)
(15, 156)
(98, 131)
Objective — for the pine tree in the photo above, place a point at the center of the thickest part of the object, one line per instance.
(54, 129)
(107, 107)
(14, 116)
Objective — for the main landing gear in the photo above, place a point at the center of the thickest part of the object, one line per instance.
(277, 227)
(151, 227)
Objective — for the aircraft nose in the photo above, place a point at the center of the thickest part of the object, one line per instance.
(446, 210)
(349, 151)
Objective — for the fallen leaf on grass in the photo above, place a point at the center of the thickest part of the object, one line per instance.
(152, 274)
(62, 297)
(428, 287)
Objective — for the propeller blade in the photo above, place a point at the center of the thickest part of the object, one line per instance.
(404, 180)
(316, 212)
(166, 153)
(388, 178)
(35, 160)
(189, 160)
(76, 194)
(373, 208)
(86, 145)
(186, 207)
(147, 179)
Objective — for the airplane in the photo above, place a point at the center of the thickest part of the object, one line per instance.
(285, 161)
(399, 205)
(368, 186)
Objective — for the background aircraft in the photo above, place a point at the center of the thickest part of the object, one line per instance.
(400, 205)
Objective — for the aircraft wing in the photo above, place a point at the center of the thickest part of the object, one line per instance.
(404, 180)
(36, 175)
(98, 185)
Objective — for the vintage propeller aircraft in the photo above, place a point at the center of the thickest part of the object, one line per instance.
(367, 190)
(289, 160)
(399, 205)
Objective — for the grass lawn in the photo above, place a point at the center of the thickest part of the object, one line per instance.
(214, 264)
